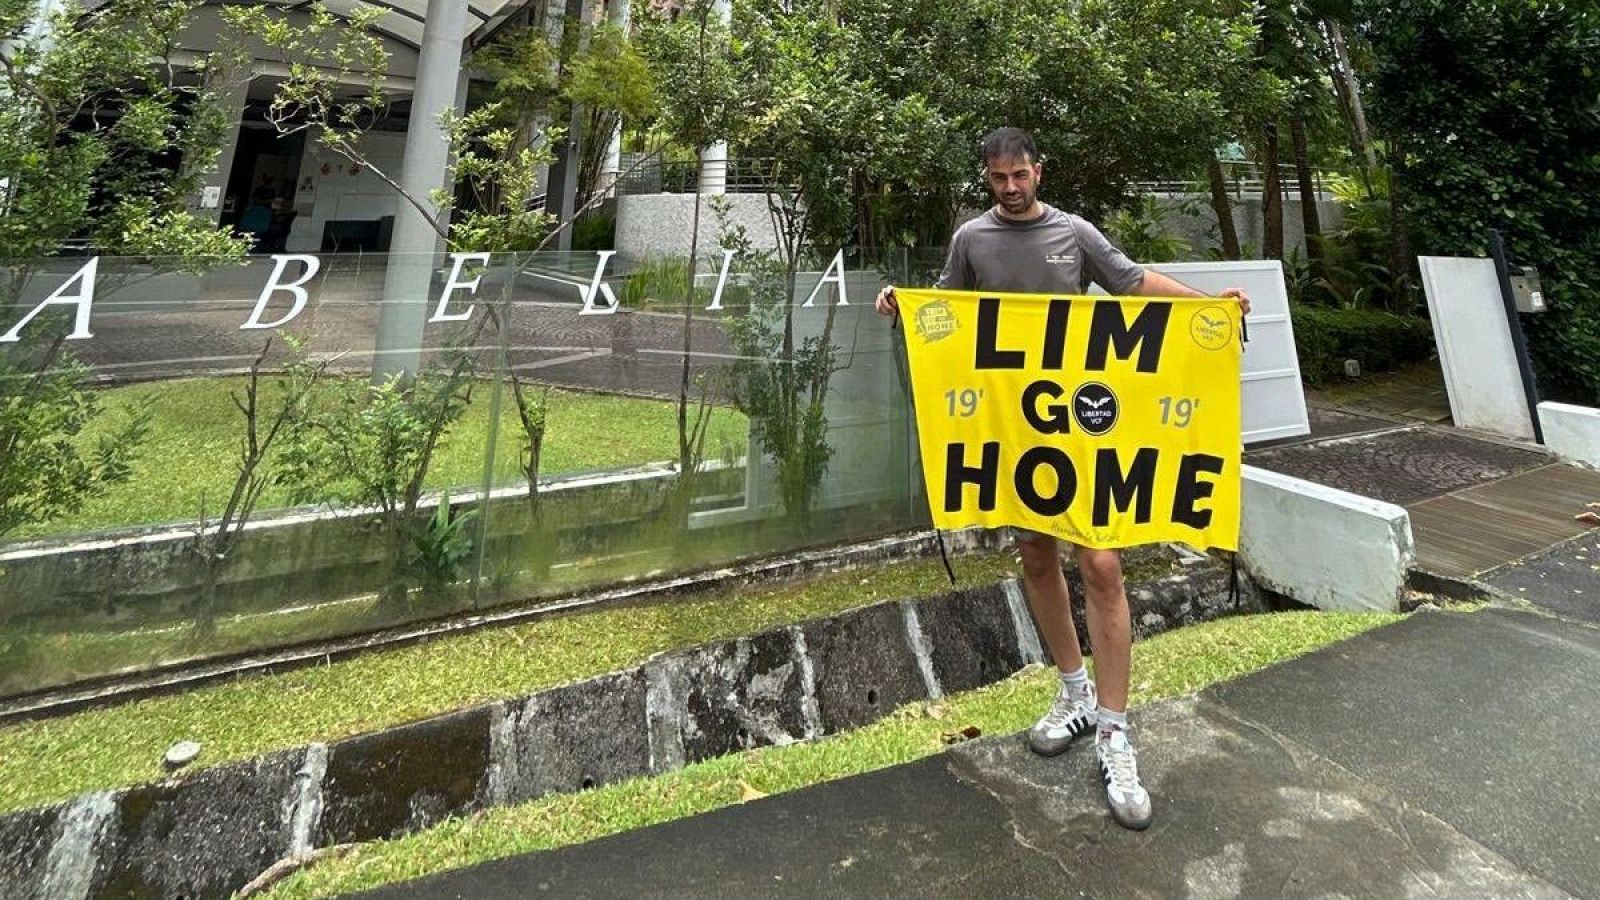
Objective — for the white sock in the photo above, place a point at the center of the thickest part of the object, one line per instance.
(1076, 683)
(1111, 720)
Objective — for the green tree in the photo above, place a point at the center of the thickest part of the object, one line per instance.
(1488, 110)
(372, 445)
(264, 423)
(100, 142)
(690, 56)
(1118, 91)
(611, 83)
(595, 69)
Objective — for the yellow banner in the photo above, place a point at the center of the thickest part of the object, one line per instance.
(1106, 422)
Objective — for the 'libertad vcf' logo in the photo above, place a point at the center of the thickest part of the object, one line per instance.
(1095, 408)
(1211, 328)
(935, 321)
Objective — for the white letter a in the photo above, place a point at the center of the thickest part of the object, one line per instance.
(83, 300)
(838, 263)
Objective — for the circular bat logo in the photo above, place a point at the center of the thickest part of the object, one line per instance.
(1094, 406)
(1211, 328)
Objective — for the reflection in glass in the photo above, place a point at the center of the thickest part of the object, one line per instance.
(224, 489)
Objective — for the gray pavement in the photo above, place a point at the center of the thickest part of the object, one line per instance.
(1564, 580)
(1448, 755)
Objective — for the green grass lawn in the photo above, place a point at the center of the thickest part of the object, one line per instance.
(1167, 665)
(189, 458)
(54, 759)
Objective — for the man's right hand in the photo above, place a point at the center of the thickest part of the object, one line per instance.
(887, 305)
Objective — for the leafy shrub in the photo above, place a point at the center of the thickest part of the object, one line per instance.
(1354, 273)
(443, 547)
(48, 466)
(595, 231)
(1141, 232)
(659, 282)
(1381, 342)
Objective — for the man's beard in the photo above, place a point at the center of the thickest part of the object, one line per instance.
(1018, 203)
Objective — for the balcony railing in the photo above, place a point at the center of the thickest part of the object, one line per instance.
(1244, 179)
(740, 175)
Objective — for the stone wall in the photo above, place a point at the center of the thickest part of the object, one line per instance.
(662, 224)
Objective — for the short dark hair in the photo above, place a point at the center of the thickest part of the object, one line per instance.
(1006, 143)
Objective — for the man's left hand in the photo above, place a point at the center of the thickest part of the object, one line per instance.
(1241, 296)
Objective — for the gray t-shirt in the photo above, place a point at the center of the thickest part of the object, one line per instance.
(1056, 253)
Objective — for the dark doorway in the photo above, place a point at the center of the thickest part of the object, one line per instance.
(261, 187)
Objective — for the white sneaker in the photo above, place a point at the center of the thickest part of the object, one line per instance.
(1068, 718)
(1129, 801)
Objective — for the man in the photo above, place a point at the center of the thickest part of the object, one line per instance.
(1023, 246)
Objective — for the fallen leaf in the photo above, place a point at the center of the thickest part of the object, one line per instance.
(748, 793)
(965, 734)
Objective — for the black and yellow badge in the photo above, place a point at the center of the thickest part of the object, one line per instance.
(935, 320)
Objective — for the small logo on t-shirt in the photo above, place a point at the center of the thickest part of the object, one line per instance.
(935, 320)
(1061, 259)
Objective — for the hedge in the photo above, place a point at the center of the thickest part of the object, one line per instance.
(1381, 342)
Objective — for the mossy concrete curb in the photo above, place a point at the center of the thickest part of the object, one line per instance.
(207, 834)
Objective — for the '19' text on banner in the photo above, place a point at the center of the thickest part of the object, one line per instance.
(1107, 422)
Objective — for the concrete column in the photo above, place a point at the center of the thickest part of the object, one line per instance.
(235, 97)
(619, 15)
(714, 169)
(714, 159)
(425, 168)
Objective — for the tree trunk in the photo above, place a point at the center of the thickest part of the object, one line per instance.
(684, 460)
(1308, 193)
(1399, 231)
(1271, 196)
(1346, 103)
(205, 616)
(1353, 88)
(1224, 209)
(392, 600)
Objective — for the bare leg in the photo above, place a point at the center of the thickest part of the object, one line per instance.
(1047, 594)
(1110, 630)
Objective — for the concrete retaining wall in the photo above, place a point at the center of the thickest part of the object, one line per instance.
(1193, 219)
(1572, 432)
(314, 556)
(207, 834)
(1322, 546)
